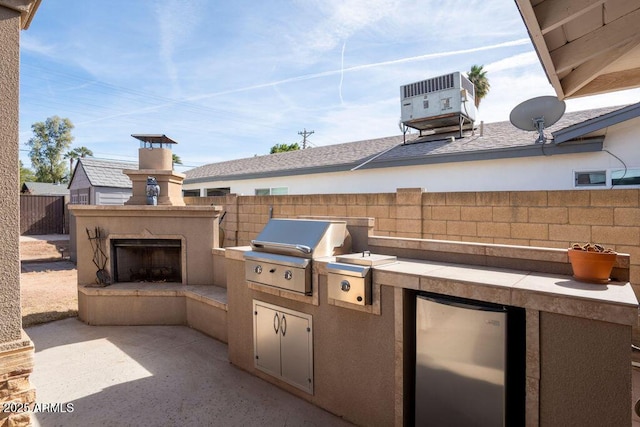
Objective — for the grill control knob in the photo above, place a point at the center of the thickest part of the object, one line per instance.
(288, 274)
(345, 285)
(258, 269)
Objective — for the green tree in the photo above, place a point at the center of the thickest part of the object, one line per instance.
(478, 77)
(281, 148)
(176, 159)
(50, 139)
(75, 154)
(26, 174)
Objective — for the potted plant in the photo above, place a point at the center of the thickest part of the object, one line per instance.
(591, 262)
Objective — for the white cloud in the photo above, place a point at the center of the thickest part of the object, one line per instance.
(343, 18)
(176, 22)
(623, 97)
(526, 59)
(33, 44)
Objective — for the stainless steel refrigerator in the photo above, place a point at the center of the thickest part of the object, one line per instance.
(461, 363)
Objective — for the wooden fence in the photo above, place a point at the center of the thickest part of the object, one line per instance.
(42, 215)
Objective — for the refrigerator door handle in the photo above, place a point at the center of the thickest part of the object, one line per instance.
(464, 305)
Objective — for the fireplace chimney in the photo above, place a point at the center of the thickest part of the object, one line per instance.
(155, 159)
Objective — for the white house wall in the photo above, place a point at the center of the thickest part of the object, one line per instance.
(111, 196)
(526, 173)
(80, 180)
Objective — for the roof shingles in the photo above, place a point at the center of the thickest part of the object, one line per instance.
(107, 173)
(382, 152)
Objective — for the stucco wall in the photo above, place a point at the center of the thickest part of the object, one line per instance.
(353, 351)
(16, 349)
(574, 388)
(195, 226)
(10, 327)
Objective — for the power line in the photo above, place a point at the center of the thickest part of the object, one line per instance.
(305, 134)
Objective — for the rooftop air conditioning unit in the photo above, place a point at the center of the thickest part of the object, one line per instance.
(439, 103)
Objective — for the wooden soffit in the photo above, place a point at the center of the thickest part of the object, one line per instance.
(586, 47)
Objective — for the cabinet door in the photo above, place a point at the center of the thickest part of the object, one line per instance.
(283, 344)
(266, 328)
(296, 351)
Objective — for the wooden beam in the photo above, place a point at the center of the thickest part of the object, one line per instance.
(621, 80)
(531, 22)
(590, 70)
(596, 42)
(553, 13)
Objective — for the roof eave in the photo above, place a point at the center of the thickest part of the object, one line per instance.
(540, 45)
(598, 123)
(26, 8)
(586, 146)
(274, 174)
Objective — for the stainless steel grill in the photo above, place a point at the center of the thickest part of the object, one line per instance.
(283, 251)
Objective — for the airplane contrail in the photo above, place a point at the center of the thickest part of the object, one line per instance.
(312, 76)
(361, 67)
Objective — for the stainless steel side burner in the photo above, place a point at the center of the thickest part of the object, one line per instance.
(349, 278)
(283, 251)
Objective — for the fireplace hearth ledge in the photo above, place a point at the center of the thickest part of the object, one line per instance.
(202, 307)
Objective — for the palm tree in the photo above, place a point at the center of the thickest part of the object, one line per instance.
(478, 77)
(176, 159)
(75, 154)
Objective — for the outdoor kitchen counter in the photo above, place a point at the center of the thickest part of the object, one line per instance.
(614, 302)
(577, 335)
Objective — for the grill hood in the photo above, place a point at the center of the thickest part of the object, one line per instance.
(303, 238)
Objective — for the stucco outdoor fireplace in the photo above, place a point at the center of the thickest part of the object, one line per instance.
(167, 242)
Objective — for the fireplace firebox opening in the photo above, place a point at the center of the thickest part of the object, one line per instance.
(147, 260)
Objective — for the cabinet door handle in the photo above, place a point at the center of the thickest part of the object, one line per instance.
(284, 326)
(276, 323)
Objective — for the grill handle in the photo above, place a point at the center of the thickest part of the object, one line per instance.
(266, 245)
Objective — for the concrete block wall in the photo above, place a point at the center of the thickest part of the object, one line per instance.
(528, 218)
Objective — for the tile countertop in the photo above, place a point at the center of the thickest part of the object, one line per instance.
(613, 302)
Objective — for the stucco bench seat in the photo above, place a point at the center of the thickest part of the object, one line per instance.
(202, 307)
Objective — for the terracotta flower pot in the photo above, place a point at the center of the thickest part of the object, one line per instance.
(593, 267)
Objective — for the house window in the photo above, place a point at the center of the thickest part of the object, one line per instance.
(74, 199)
(276, 191)
(625, 177)
(190, 193)
(590, 179)
(218, 191)
(84, 199)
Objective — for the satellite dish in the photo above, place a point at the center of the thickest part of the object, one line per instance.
(536, 113)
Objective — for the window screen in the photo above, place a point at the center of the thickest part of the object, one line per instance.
(591, 179)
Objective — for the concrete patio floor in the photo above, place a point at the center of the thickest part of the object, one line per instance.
(153, 376)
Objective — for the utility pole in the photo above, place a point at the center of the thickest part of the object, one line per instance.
(305, 134)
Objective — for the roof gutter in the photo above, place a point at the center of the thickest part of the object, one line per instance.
(580, 129)
(586, 146)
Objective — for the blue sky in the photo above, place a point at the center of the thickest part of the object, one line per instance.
(229, 80)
